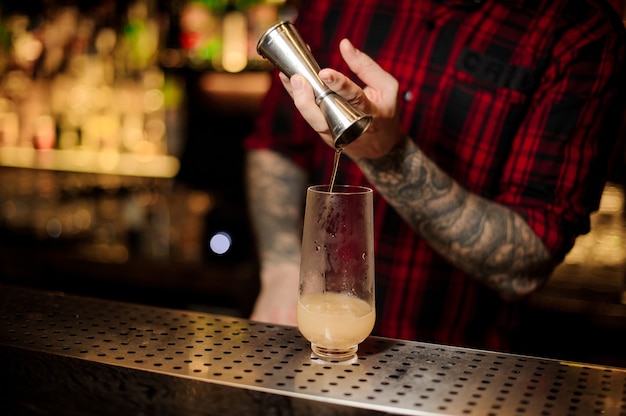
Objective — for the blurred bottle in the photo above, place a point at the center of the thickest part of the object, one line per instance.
(222, 34)
(201, 33)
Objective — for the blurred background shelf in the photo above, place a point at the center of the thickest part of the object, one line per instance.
(98, 162)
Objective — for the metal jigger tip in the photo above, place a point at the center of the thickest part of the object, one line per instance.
(353, 132)
(346, 122)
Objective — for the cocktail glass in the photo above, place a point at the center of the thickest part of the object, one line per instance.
(336, 308)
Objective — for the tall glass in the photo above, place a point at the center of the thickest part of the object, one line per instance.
(336, 308)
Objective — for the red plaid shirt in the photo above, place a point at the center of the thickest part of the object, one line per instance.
(517, 100)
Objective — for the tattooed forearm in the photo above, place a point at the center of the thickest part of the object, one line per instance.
(486, 240)
(275, 189)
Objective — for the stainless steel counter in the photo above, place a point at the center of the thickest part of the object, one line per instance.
(65, 354)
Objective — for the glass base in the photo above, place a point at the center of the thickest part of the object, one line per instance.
(333, 354)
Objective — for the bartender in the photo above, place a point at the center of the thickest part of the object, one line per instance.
(494, 124)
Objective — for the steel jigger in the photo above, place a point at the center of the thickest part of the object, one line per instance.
(285, 49)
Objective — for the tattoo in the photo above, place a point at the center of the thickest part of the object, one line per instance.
(275, 188)
(486, 240)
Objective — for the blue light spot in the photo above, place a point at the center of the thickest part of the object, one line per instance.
(220, 242)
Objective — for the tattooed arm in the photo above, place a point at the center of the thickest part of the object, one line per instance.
(483, 238)
(275, 188)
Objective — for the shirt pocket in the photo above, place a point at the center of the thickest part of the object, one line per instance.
(479, 125)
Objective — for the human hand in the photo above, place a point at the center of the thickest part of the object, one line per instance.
(378, 98)
(278, 298)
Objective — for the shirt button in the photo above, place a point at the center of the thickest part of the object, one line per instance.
(408, 96)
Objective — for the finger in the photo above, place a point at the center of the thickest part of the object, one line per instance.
(304, 100)
(286, 83)
(345, 87)
(364, 66)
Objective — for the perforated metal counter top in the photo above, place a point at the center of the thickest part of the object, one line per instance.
(389, 376)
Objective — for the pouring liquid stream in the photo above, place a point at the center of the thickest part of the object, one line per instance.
(325, 214)
(335, 166)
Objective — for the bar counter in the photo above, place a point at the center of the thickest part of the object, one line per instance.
(62, 354)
